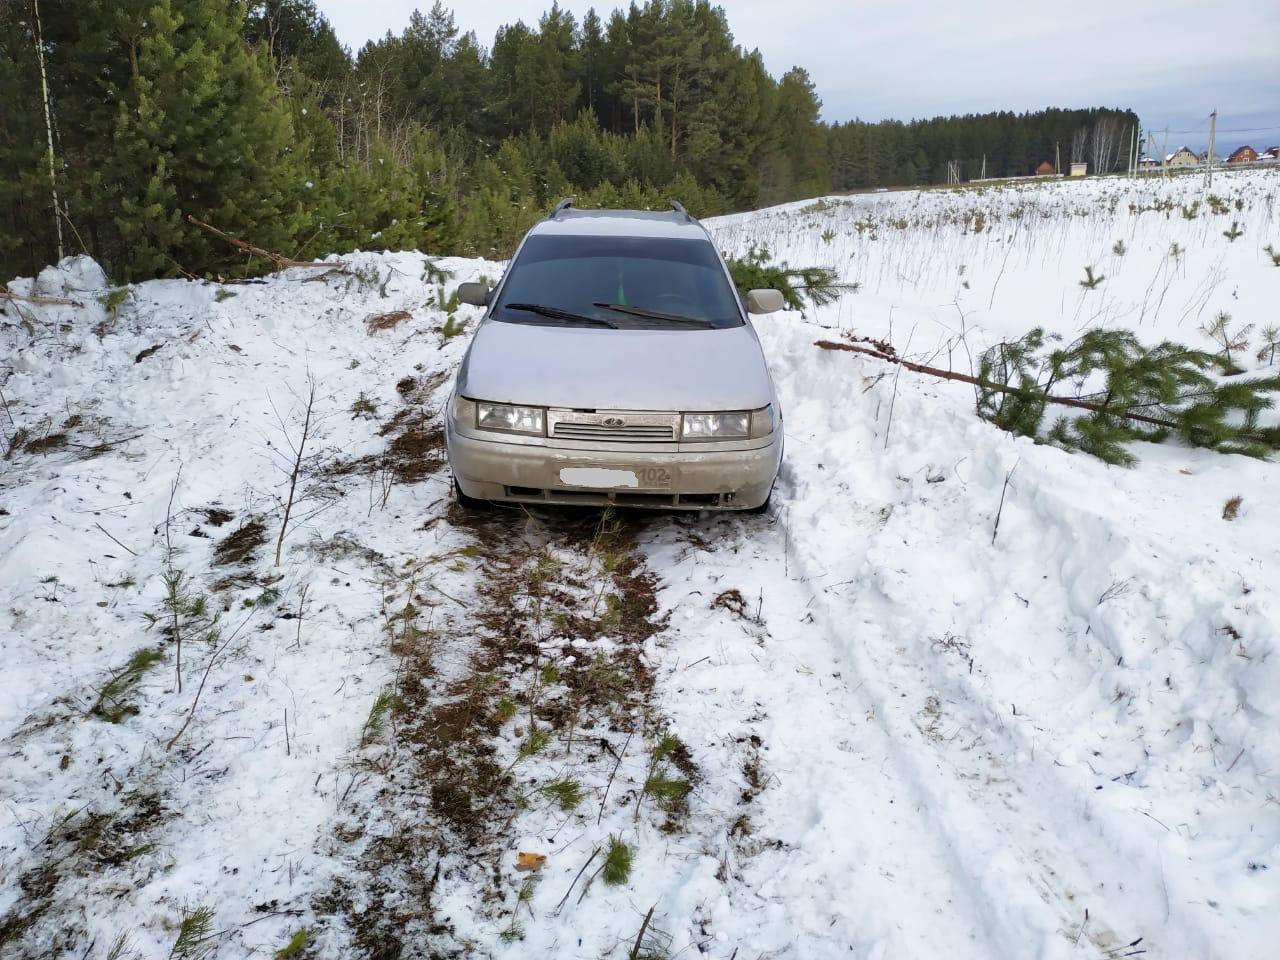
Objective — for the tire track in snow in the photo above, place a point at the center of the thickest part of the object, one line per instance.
(845, 854)
(1037, 840)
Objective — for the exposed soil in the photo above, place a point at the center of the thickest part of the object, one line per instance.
(375, 323)
(239, 546)
(450, 794)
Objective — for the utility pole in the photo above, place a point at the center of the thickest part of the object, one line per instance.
(1209, 158)
(48, 128)
(984, 166)
(1057, 158)
(1164, 165)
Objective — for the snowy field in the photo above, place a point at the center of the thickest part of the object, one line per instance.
(864, 724)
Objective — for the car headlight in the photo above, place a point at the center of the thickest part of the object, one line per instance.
(506, 418)
(739, 425)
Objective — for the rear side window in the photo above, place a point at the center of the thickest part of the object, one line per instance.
(574, 274)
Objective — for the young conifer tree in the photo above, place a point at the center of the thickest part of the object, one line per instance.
(202, 131)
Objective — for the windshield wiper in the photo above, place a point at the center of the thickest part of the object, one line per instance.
(555, 313)
(657, 315)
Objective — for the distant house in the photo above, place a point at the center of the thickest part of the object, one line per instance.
(1182, 157)
(1045, 169)
(1148, 163)
(1271, 153)
(1079, 169)
(1245, 154)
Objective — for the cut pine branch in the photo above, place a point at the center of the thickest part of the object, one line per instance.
(280, 260)
(999, 387)
(1149, 393)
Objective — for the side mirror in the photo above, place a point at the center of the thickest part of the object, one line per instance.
(764, 301)
(476, 294)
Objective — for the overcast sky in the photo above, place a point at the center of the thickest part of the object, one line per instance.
(1173, 61)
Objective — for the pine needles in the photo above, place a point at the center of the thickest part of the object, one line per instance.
(1128, 392)
(112, 703)
(617, 863)
(756, 271)
(193, 934)
(386, 703)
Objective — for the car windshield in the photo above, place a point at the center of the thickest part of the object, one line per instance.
(623, 282)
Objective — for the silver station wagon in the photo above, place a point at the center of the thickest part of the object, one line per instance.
(615, 364)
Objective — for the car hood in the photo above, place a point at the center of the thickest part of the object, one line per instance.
(599, 369)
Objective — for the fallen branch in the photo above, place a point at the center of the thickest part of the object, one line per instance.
(117, 542)
(279, 260)
(35, 298)
(999, 387)
(635, 950)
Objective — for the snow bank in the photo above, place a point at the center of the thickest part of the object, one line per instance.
(911, 740)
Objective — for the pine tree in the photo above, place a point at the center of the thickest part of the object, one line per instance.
(164, 113)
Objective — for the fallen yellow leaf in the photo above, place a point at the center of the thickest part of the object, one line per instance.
(530, 861)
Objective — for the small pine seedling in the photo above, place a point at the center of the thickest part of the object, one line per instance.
(1219, 331)
(265, 599)
(514, 930)
(452, 327)
(113, 300)
(1090, 281)
(364, 406)
(224, 294)
(386, 702)
(505, 710)
(617, 863)
(193, 932)
(1119, 249)
(536, 742)
(297, 943)
(828, 235)
(1273, 254)
(566, 794)
(1270, 344)
(121, 948)
(1234, 232)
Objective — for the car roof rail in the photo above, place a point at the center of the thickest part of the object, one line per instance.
(678, 207)
(563, 205)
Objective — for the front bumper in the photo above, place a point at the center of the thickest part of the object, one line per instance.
(523, 472)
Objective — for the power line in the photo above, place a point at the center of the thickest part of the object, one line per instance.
(1236, 130)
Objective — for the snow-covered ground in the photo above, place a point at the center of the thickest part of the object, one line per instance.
(902, 739)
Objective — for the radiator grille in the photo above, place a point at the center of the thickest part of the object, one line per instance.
(633, 433)
(617, 426)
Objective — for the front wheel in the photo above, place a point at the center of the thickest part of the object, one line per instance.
(466, 502)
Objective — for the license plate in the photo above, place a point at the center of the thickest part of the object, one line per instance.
(598, 477)
(648, 478)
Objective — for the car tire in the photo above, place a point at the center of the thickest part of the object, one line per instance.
(466, 502)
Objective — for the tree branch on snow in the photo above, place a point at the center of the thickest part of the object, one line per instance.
(1147, 393)
(278, 259)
